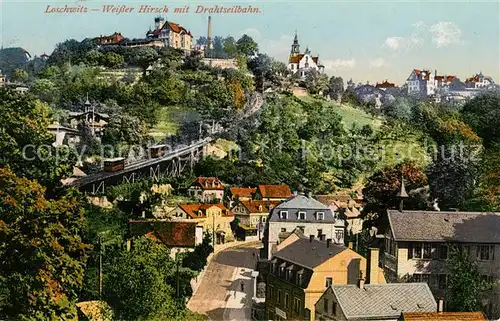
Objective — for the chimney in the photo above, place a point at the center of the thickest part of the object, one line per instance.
(209, 34)
(350, 245)
(373, 260)
(311, 238)
(328, 242)
(440, 305)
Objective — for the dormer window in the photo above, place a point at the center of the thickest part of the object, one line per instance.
(284, 215)
(302, 216)
(320, 216)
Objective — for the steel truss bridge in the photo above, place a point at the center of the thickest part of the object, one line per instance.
(172, 164)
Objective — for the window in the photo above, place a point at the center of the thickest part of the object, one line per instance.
(284, 215)
(334, 308)
(442, 281)
(328, 282)
(443, 252)
(339, 236)
(485, 252)
(279, 297)
(417, 250)
(302, 215)
(427, 250)
(325, 305)
(296, 306)
(301, 228)
(287, 301)
(283, 230)
(320, 232)
(299, 279)
(320, 216)
(271, 292)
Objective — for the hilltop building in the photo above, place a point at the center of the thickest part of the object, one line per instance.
(301, 63)
(113, 39)
(206, 189)
(170, 34)
(479, 81)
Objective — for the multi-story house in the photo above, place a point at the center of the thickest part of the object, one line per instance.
(207, 189)
(442, 316)
(211, 217)
(299, 274)
(306, 214)
(252, 216)
(421, 83)
(273, 192)
(479, 81)
(236, 194)
(171, 34)
(301, 63)
(417, 246)
(350, 302)
(350, 207)
(113, 39)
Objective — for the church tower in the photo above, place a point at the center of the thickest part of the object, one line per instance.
(295, 46)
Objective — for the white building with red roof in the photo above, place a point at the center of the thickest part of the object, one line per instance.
(301, 63)
(421, 83)
(172, 34)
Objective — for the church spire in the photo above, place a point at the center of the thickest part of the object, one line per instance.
(295, 46)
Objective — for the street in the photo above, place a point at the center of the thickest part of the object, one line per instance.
(219, 295)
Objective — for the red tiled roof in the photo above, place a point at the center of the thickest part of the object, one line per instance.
(443, 316)
(257, 206)
(295, 59)
(209, 183)
(193, 210)
(170, 233)
(418, 72)
(445, 78)
(275, 191)
(242, 191)
(475, 78)
(385, 84)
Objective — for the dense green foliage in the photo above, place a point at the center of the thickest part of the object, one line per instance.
(43, 255)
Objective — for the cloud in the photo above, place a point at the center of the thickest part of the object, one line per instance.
(277, 48)
(254, 33)
(445, 33)
(339, 63)
(398, 44)
(377, 63)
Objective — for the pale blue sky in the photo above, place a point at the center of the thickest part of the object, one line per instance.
(366, 40)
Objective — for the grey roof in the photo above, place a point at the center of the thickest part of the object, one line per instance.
(434, 226)
(383, 300)
(308, 254)
(302, 203)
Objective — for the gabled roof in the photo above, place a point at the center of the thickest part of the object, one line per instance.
(208, 183)
(383, 300)
(433, 226)
(200, 210)
(257, 206)
(275, 191)
(444, 316)
(308, 254)
(242, 191)
(175, 27)
(418, 72)
(385, 84)
(296, 59)
(170, 233)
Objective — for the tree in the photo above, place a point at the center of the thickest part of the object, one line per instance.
(400, 109)
(43, 256)
(26, 144)
(124, 128)
(197, 259)
(247, 46)
(380, 191)
(316, 82)
(112, 60)
(19, 75)
(135, 283)
(93, 58)
(12, 59)
(230, 47)
(483, 115)
(143, 57)
(465, 285)
(46, 90)
(335, 87)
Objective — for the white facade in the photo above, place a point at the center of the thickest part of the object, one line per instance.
(422, 83)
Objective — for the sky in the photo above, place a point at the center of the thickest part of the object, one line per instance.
(368, 41)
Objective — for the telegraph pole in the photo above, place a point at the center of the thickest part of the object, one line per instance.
(178, 288)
